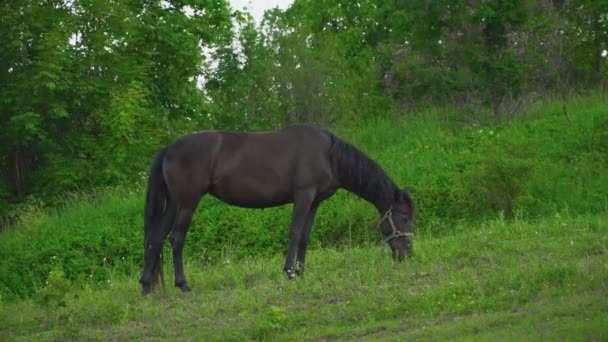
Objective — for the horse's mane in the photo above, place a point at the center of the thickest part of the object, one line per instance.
(360, 174)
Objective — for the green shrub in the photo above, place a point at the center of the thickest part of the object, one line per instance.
(57, 287)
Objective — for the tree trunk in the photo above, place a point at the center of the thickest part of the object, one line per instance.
(597, 30)
(597, 63)
(496, 101)
(17, 172)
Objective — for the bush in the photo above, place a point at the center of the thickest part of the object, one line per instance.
(53, 295)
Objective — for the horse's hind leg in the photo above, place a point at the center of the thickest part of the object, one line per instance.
(178, 238)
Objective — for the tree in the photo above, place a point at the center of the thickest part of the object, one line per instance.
(295, 68)
(585, 26)
(90, 87)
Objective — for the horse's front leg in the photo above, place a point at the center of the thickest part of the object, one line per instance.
(304, 239)
(301, 209)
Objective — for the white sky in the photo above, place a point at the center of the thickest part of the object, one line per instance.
(257, 7)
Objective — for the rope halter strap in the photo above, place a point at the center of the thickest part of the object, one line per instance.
(395, 233)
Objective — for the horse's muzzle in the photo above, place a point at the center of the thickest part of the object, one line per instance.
(402, 254)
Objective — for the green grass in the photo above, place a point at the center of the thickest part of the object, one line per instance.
(511, 245)
(505, 280)
(457, 174)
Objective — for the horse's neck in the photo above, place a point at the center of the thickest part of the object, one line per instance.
(361, 175)
(382, 199)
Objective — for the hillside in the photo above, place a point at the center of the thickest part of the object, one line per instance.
(511, 243)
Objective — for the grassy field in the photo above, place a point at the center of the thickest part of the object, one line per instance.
(498, 280)
(512, 243)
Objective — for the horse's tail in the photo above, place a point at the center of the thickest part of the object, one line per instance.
(156, 199)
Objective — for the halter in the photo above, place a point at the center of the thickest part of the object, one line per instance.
(396, 233)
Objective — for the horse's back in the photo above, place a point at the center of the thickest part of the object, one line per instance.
(202, 147)
(251, 169)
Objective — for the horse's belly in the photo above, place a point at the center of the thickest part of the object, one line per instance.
(252, 193)
(255, 203)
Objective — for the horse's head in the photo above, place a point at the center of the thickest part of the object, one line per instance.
(397, 225)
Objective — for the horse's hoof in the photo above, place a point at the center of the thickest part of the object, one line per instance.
(299, 269)
(184, 287)
(290, 273)
(145, 290)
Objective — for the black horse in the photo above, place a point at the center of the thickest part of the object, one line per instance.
(301, 164)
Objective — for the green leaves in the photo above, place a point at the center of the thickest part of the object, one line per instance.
(90, 88)
(25, 127)
(54, 293)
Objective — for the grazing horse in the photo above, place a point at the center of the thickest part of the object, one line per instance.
(301, 164)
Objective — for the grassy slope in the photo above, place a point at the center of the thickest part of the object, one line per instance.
(530, 168)
(520, 279)
(499, 280)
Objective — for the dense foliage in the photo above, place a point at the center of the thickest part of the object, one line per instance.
(90, 88)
